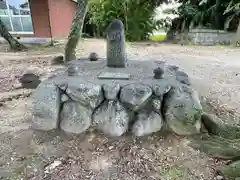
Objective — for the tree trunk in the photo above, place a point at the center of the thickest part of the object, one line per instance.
(76, 30)
(13, 43)
(217, 15)
(236, 40)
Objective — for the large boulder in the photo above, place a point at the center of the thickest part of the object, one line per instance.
(85, 92)
(46, 105)
(75, 118)
(147, 123)
(182, 110)
(135, 96)
(111, 118)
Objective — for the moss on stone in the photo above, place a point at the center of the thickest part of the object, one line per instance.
(232, 171)
(217, 146)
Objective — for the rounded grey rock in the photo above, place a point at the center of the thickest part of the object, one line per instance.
(158, 73)
(75, 118)
(111, 91)
(57, 60)
(135, 96)
(111, 118)
(93, 56)
(72, 70)
(29, 81)
(86, 93)
(182, 77)
(28, 77)
(183, 110)
(147, 123)
(46, 106)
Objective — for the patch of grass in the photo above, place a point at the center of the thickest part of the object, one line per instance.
(174, 173)
(158, 38)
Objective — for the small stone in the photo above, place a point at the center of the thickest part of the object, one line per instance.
(17, 86)
(57, 60)
(93, 56)
(28, 77)
(110, 147)
(29, 81)
(173, 67)
(158, 73)
(52, 166)
(219, 177)
(111, 91)
(72, 70)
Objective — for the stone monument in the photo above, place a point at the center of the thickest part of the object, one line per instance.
(116, 55)
(141, 98)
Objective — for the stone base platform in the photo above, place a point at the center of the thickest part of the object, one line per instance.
(117, 100)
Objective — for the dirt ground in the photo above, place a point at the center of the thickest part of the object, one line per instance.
(24, 154)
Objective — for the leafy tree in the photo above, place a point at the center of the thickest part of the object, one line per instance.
(233, 9)
(216, 14)
(137, 16)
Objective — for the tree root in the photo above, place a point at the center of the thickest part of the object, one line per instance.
(222, 142)
(218, 147)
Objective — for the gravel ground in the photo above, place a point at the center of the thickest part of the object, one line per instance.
(36, 155)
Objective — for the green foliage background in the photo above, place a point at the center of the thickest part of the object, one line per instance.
(214, 14)
(137, 16)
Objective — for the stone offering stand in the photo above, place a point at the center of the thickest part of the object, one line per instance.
(138, 102)
(117, 95)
